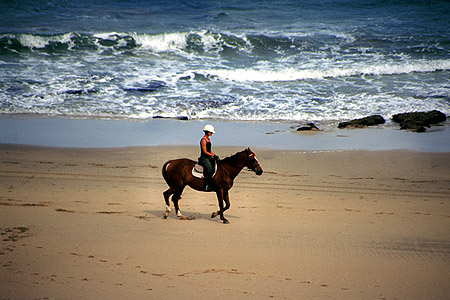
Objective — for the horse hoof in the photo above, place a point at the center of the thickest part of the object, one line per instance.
(182, 218)
(225, 221)
(213, 215)
(165, 216)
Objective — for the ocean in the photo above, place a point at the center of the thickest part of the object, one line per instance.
(280, 60)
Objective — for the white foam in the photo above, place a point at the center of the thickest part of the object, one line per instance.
(167, 42)
(293, 74)
(38, 42)
(109, 36)
(209, 41)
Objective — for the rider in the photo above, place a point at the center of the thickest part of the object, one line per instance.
(207, 157)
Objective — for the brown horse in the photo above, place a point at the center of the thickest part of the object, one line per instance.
(178, 173)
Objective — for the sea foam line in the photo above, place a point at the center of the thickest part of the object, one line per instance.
(292, 74)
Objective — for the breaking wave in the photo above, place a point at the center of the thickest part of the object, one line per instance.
(294, 74)
(320, 75)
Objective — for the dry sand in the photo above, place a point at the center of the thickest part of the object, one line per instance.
(87, 224)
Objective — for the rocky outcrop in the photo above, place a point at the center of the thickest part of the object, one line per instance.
(419, 121)
(364, 122)
(308, 127)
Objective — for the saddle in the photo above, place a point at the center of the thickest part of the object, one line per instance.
(197, 170)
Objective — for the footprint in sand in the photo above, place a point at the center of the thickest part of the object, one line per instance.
(111, 212)
(64, 210)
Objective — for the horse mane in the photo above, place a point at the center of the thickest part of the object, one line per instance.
(230, 160)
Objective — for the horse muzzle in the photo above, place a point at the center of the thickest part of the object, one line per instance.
(258, 171)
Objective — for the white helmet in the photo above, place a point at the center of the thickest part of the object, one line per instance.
(209, 128)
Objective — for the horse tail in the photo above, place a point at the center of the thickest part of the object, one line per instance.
(167, 193)
(164, 172)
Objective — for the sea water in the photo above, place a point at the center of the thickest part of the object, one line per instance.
(304, 60)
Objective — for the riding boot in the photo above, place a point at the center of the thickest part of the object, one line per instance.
(209, 185)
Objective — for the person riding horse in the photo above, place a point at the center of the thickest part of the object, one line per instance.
(207, 157)
(178, 174)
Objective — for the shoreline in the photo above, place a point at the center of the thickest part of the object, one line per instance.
(98, 133)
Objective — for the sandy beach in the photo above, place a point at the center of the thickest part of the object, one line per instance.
(345, 104)
(87, 224)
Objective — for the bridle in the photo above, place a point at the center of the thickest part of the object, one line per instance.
(257, 162)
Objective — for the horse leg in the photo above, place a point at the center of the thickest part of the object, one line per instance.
(167, 195)
(220, 196)
(226, 198)
(216, 213)
(177, 196)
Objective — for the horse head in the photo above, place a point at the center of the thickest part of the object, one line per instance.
(252, 163)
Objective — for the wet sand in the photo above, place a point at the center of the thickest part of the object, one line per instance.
(95, 133)
(87, 224)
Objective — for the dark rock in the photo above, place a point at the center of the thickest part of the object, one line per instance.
(364, 122)
(418, 121)
(308, 127)
(182, 118)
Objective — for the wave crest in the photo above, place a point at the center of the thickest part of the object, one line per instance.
(263, 46)
(294, 74)
(189, 42)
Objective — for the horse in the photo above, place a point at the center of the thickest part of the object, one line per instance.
(178, 173)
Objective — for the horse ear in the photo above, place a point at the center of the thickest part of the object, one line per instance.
(249, 152)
